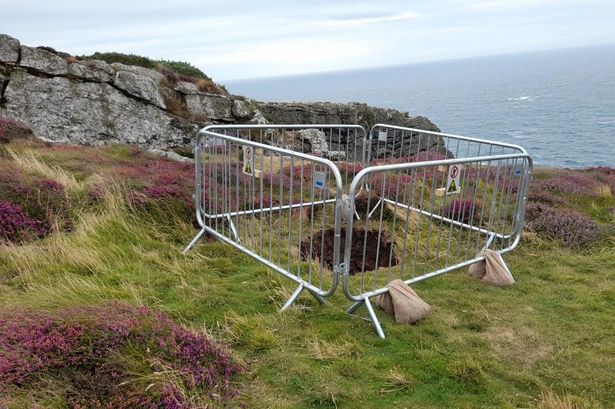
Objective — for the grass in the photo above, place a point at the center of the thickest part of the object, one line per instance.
(545, 342)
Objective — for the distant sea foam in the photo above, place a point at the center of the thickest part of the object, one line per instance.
(560, 105)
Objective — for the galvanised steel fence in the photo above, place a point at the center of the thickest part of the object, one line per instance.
(320, 202)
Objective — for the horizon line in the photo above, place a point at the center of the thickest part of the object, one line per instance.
(377, 67)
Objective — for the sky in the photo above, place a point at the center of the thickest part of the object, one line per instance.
(248, 39)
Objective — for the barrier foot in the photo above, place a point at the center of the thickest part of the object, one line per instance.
(194, 241)
(293, 297)
(372, 315)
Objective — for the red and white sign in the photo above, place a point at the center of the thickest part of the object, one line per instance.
(452, 183)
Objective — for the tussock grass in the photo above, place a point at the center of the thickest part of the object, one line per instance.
(30, 163)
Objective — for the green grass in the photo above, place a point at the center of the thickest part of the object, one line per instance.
(546, 341)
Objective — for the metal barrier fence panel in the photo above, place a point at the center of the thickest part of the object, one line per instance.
(419, 216)
(274, 191)
(419, 203)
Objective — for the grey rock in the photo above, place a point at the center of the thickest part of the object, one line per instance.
(92, 102)
(186, 87)
(141, 71)
(9, 49)
(242, 109)
(258, 118)
(171, 155)
(94, 70)
(356, 113)
(43, 61)
(216, 107)
(90, 113)
(317, 141)
(140, 86)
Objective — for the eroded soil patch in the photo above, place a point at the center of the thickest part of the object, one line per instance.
(366, 254)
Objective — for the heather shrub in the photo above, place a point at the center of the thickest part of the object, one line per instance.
(11, 130)
(43, 200)
(569, 182)
(128, 59)
(114, 355)
(160, 182)
(183, 68)
(544, 197)
(605, 175)
(462, 211)
(15, 226)
(571, 228)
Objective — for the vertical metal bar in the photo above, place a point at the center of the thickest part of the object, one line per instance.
(290, 210)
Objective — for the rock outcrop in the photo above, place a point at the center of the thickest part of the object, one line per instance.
(91, 102)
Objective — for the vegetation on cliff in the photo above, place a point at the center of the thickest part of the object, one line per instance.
(101, 309)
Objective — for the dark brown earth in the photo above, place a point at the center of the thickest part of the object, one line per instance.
(322, 249)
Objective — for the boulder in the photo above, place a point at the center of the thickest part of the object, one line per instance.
(317, 141)
(140, 71)
(9, 49)
(140, 86)
(258, 118)
(94, 70)
(43, 61)
(186, 87)
(90, 113)
(242, 109)
(216, 107)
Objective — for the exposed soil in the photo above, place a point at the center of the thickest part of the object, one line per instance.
(322, 248)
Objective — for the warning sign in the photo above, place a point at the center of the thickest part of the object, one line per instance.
(248, 160)
(382, 135)
(452, 183)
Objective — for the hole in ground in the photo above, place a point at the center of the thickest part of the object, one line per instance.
(322, 249)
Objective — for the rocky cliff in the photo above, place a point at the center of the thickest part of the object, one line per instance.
(91, 102)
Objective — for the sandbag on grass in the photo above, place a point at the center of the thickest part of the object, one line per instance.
(492, 270)
(403, 302)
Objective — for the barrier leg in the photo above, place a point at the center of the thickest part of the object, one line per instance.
(375, 320)
(372, 315)
(375, 208)
(194, 241)
(293, 297)
(296, 295)
(233, 229)
(354, 307)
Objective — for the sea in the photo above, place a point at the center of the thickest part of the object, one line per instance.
(558, 104)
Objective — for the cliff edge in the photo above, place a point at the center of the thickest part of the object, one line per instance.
(92, 102)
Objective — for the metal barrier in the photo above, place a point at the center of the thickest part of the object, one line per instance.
(431, 212)
(263, 189)
(276, 193)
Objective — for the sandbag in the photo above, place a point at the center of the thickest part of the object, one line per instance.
(492, 270)
(404, 303)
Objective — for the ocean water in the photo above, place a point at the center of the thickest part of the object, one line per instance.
(559, 105)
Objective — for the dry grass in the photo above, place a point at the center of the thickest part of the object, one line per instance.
(29, 162)
(550, 400)
(323, 350)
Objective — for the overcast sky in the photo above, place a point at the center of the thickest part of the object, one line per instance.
(244, 39)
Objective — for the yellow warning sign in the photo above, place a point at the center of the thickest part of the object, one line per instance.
(452, 183)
